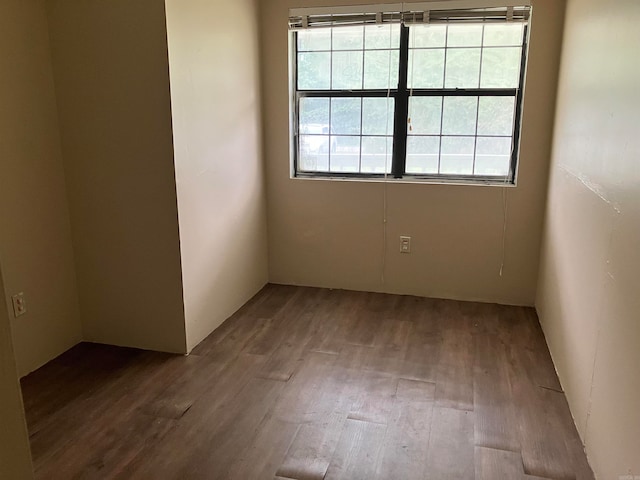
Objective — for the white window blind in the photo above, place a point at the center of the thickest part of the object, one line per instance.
(410, 13)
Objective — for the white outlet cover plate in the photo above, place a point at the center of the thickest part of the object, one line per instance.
(19, 305)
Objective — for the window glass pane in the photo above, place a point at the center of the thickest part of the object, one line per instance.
(422, 154)
(345, 154)
(348, 38)
(427, 36)
(503, 34)
(447, 134)
(345, 116)
(381, 36)
(374, 152)
(381, 69)
(493, 155)
(495, 115)
(459, 115)
(425, 114)
(463, 68)
(377, 116)
(346, 71)
(314, 71)
(464, 36)
(457, 155)
(426, 68)
(314, 115)
(316, 39)
(314, 153)
(500, 67)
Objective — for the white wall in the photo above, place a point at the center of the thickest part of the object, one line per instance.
(330, 233)
(15, 457)
(112, 83)
(589, 291)
(135, 258)
(35, 236)
(213, 53)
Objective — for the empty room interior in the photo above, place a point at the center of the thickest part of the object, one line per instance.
(319, 239)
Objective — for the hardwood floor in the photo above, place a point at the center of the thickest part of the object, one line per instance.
(307, 384)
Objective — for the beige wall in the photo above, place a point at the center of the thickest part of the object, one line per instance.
(15, 457)
(589, 292)
(35, 236)
(220, 181)
(330, 233)
(112, 83)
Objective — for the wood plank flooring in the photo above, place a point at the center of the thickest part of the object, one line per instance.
(307, 384)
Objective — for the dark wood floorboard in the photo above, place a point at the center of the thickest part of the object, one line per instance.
(406, 443)
(454, 377)
(493, 402)
(451, 449)
(493, 464)
(424, 340)
(356, 455)
(311, 384)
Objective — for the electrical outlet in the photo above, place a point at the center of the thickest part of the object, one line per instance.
(405, 244)
(19, 304)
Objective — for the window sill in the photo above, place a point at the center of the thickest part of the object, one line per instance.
(476, 182)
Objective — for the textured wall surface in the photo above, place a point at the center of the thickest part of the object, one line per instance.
(112, 83)
(215, 98)
(588, 297)
(35, 235)
(330, 233)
